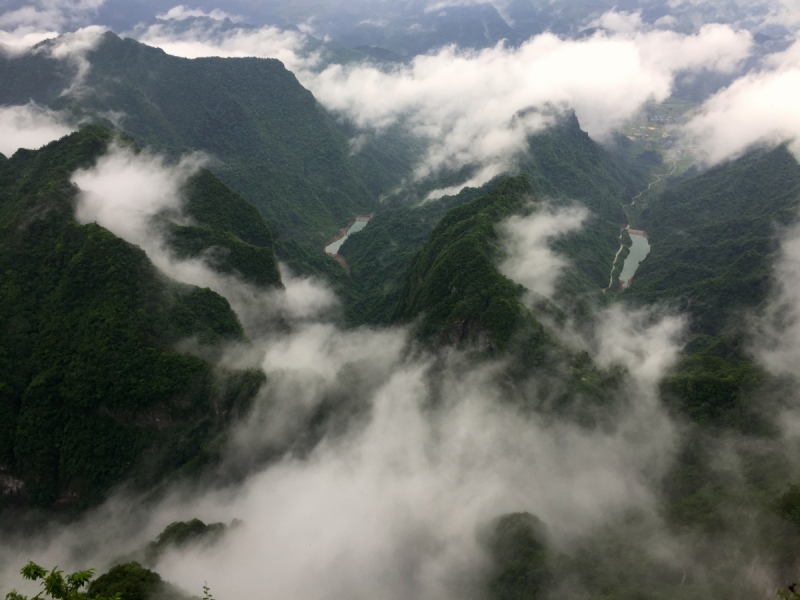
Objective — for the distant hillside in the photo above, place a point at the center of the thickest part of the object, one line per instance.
(714, 237)
(91, 388)
(273, 143)
(380, 255)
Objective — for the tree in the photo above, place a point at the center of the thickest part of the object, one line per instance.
(56, 586)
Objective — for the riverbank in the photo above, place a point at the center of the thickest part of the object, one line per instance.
(332, 246)
(344, 231)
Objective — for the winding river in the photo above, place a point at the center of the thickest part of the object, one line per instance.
(639, 250)
(355, 227)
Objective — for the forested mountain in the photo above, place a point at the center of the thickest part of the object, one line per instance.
(271, 141)
(714, 237)
(454, 282)
(564, 164)
(92, 391)
(564, 167)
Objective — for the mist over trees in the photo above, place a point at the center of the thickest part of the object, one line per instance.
(465, 401)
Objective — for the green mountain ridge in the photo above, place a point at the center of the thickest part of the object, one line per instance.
(714, 237)
(91, 390)
(563, 165)
(271, 141)
(453, 280)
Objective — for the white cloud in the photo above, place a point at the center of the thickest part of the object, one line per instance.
(777, 343)
(29, 126)
(784, 13)
(475, 106)
(124, 191)
(757, 109)
(202, 40)
(22, 38)
(478, 107)
(183, 12)
(501, 6)
(646, 342)
(619, 22)
(528, 259)
(392, 510)
(73, 47)
(42, 19)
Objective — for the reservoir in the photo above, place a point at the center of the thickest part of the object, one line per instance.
(358, 225)
(639, 250)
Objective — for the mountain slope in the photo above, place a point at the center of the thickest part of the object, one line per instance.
(380, 255)
(563, 164)
(454, 283)
(714, 237)
(273, 143)
(91, 389)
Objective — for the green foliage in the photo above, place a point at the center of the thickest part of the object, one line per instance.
(788, 505)
(225, 253)
(131, 581)
(183, 533)
(381, 254)
(521, 569)
(58, 587)
(714, 392)
(91, 388)
(455, 285)
(789, 593)
(228, 233)
(273, 143)
(124, 582)
(564, 161)
(714, 238)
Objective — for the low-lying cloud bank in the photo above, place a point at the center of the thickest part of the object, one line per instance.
(29, 126)
(757, 109)
(394, 507)
(183, 12)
